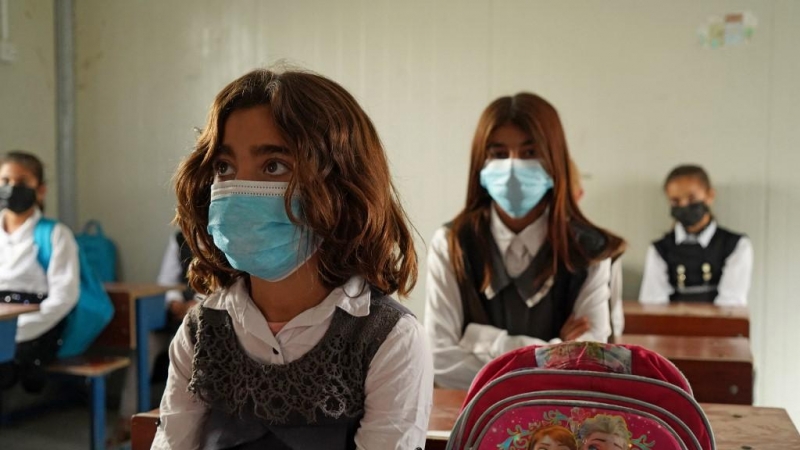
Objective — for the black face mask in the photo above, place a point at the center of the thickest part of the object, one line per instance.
(691, 214)
(18, 198)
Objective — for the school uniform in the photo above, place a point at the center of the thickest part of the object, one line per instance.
(367, 382)
(512, 312)
(24, 280)
(174, 269)
(713, 266)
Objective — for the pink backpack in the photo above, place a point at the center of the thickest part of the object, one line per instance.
(583, 396)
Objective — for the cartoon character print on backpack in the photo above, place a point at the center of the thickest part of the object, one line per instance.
(565, 428)
(585, 356)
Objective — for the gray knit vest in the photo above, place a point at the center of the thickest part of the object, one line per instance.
(316, 401)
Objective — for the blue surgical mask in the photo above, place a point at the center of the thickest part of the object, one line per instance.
(249, 223)
(516, 185)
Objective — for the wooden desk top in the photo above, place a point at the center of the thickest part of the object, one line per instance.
(446, 406)
(138, 290)
(686, 310)
(10, 311)
(735, 426)
(89, 366)
(686, 319)
(739, 427)
(693, 347)
(154, 414)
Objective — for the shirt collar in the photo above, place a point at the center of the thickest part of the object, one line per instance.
(532, 237)
(353, 298)
(26, 227)
(704, 238)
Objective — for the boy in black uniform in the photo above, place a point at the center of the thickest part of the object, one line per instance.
(698, 261)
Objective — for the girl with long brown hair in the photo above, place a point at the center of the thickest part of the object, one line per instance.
(298, 240)
(520, 264)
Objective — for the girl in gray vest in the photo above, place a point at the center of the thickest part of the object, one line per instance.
(520, 265)
(298, 240)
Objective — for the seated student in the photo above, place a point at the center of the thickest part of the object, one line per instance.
(22, 277)
(173, 272)
(299, 239)
(615, 306)
(698, 261)
(520, 265)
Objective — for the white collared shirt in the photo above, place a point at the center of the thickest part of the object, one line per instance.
(458, 357)
(399, 384)
(733, 286)
(20, 271)
(171, 272)
(518, 250)
(617, 313)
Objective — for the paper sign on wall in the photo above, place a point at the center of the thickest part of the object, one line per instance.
(728, 31)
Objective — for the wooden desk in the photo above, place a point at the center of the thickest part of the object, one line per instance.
(748, 427)
(719, 369)
(735, 427)
(8, 327)
(138, 310)
(446, 406)
(686, 319)
(143, 430)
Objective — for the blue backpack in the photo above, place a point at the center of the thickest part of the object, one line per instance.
(100, 252)
(94, 309)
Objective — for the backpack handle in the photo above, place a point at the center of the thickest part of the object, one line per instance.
(93, 224)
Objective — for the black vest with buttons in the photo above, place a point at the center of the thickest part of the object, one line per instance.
(508, 309)
(694, 271)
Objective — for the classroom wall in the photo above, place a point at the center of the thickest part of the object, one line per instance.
(636, 92)
(27, 89)
(780, 367)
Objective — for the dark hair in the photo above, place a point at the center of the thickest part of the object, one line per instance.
(30, 162)
(347, 195)
(535, 116)
(689, 170)
(27, 160)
